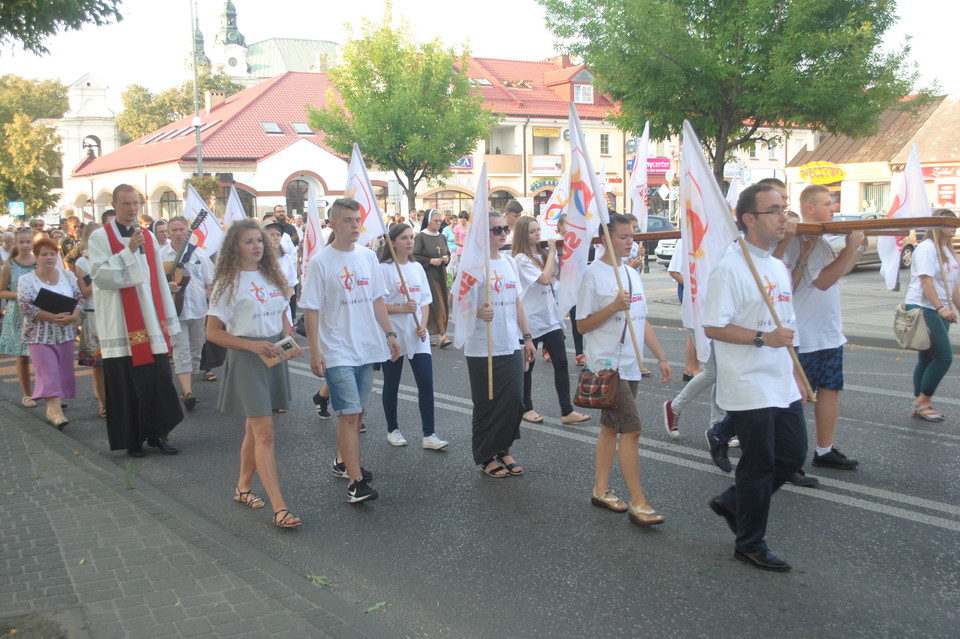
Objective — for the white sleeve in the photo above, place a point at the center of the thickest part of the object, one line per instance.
(723, 300)
(312, 295)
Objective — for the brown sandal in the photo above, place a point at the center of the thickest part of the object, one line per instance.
(609, 501)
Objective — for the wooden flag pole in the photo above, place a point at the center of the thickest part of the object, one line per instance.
(489, 339)
(776, 319)
(615, 262)
(403, 283)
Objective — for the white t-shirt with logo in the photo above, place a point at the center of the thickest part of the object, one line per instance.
(505, 289)
(539, 301)
(925, 263)
(819, 322)
(255, 310)
(598, 288)
(342, 286)
(749, 377)
(405, 324)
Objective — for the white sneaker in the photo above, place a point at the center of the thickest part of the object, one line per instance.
(395, 437)
(434, 443)
(734, 442)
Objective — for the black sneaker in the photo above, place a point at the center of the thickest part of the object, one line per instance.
(322, 403)
(803, 480)
(718, 451)
(359, 491)
(835, 459)
(340, 470)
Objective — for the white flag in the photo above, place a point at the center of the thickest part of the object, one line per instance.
(706, 230)
(585, 212)
(360, 189)
(470, 283)
(556, 206)
(909, 200)
(209, 235)
(234, 210)
(733, 193)
(638, 179)
(312, 233)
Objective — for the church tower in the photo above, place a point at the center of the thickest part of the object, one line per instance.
(198, 55)
(229, 53)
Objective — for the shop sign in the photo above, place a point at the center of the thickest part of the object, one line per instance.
(546, 132)
(539, 184)
(615, 180)
(822, 173)
(658, 165)
(463, 164)
(940, 171)
(546, 164)
(947, 195)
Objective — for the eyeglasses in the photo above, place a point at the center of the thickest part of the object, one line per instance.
(777, 210)
(499, 230)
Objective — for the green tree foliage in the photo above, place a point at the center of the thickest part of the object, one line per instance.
(28, 152)
(410, 107)
(30, 22)
(145, 112)
(28, 158)
(732, 66)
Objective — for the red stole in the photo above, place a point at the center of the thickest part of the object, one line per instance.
(130, 299)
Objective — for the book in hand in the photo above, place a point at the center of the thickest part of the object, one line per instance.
(53, 302)
(288, 348)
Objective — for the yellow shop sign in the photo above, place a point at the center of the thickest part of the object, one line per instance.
(821, 173)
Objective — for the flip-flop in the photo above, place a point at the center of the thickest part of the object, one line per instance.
(928, 413)
(536, 418)
(446, 342)
(492, 472)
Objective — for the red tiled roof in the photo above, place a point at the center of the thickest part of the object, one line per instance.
(235, 134)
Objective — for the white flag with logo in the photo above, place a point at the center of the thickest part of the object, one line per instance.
(587, 209)
(733, 193)
(556, 206)
(638, 179)
(909, 200)
(209, 235)
(234, 210)
(312, 229)
(360, 189)
(469, 285)
(706, 229)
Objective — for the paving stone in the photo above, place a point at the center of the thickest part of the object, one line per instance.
(193, 627)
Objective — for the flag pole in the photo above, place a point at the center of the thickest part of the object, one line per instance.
(489, 338)
(776, 319)
(615, 262)
(403, 283)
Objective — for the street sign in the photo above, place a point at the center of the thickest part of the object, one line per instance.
(669, 176)
(663, 192)
(16, 209)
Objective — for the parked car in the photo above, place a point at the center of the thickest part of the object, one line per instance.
(657, 223)
(870, 256)
(664, 251)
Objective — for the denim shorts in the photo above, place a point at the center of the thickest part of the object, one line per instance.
(349, 387)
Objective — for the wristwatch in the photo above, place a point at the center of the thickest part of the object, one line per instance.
(389, 334)
(758, 340)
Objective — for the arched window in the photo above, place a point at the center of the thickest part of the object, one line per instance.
(449, 201)
(540, 202)
(297, 198)
(169, 205)
(499, 199)
(91, 146)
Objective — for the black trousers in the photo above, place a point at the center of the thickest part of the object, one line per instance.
(553, 342)
(142, 402)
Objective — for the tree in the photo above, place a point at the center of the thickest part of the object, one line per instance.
(733, 66)
(30, 22)
(35, 98)
(409, 107)
(144, 111)
(28, 159)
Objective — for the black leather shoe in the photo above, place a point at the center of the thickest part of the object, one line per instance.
(716, 505)
(163, 445)
(718, 452)
(803, 480)
(763, 559)
(835, 459)
(136, 451)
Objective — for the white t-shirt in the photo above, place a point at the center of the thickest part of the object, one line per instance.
(925, 263)
(676, 260)
(342, 286)
(598, 289)
(819, 322)
(539, 301)
(749, 377)
(200, 269)
(288, 264)
(405, 324)
(83, 263)
(255, 309)
(505, 289)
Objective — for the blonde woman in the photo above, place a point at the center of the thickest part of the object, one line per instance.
(88, 353)
(21, 262)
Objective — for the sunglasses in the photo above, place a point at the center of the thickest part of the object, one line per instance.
(499, 230)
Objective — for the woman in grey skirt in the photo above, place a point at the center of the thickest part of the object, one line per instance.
(248, 316)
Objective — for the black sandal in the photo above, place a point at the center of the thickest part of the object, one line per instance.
(492, 472)
(248, 499)
(511, 468)
(287, 521)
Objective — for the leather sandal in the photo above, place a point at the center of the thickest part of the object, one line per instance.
(248, 499)
(496, 471)
(609, 501)
(28, 402)
(289, 520)
(533, 417)
(513, 467)
(644, 516)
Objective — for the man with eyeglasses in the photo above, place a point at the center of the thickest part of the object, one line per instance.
(756, 383)
(816, 269)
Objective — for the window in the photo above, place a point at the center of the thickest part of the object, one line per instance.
(91, 144)
(302, 128)
(483, 82)
(169, 205)
(583, 93)
(876, 198)
(604, 144)
(453, 201)
(271, 128)
(771, 151)
(753, 150)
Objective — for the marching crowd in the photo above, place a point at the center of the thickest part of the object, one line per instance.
(151, 306)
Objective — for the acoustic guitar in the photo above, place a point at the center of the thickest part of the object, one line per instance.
(173, 269)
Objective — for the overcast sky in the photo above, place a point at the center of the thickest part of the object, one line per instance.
(151, 45)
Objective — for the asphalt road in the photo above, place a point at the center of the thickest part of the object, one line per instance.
(452, 553)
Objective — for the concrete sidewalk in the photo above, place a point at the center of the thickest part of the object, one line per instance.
(84, 555)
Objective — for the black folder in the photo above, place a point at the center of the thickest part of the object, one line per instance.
(52, 302)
